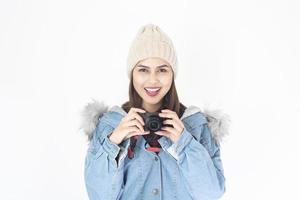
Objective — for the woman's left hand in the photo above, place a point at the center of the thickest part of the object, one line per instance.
(173, 133)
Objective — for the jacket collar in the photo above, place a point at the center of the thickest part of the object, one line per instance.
(188, 112)
(218, 122)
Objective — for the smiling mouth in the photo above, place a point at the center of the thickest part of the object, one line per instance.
(152, 91)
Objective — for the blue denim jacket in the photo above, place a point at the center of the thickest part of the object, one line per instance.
(191, 168)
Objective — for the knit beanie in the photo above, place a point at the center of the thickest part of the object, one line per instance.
(151, 41)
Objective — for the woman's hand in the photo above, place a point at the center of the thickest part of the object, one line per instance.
(172, 133)
(130, 125)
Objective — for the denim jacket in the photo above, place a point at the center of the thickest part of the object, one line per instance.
(191, 168)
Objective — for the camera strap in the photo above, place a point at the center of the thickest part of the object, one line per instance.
(153, 145)
(153, 149)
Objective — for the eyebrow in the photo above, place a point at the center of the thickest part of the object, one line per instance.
(157, 66)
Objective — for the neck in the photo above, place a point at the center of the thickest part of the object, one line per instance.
(151, 107)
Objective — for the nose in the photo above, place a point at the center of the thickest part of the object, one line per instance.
(153, 77)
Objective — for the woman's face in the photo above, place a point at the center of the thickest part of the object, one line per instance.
(152, 73)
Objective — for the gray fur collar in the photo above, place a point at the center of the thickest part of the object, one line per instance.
(218, 121)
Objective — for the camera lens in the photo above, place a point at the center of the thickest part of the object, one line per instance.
(152, 121)
(153, 125)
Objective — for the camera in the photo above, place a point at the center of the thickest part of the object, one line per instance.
(153, 122)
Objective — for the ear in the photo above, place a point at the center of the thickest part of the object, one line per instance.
(218, 123)
(90, 115)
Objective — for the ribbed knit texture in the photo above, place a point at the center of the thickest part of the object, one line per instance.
(151, 41)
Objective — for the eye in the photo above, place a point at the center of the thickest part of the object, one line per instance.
(142, 70)
(163, 70)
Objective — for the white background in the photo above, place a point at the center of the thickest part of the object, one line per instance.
(55, 56)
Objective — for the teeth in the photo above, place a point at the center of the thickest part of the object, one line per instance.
(152, 90)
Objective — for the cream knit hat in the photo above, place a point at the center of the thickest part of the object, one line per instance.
(151, 41)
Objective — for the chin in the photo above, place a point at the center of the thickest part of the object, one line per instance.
(153, 101)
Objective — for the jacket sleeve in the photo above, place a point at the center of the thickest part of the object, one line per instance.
(200, 164)
(104, 165)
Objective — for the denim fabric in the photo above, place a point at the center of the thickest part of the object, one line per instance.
(189, 169)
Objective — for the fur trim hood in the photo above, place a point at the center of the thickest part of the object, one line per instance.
(218, 122)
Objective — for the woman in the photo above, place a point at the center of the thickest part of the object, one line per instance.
(181, 160)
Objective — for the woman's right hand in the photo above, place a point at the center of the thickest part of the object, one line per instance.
(131, 125)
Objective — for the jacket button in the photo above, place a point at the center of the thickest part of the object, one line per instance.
(156, 159)
(155, 191)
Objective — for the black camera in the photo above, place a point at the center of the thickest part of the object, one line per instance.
(153, 122)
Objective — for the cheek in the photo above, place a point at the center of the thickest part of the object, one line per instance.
(138, 82)
(166, 80)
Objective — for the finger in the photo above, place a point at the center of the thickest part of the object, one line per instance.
(166, 115)
(171, 116)
(132, 116)
(169, 129)
(137, 123)
(145, 133)
(167, 111)
(168, 121)
(134, 133)
(132, 110)
(131, 135)
(173, 123)
(132, 129)
(137, 133)
(138, 117)
(163, 133)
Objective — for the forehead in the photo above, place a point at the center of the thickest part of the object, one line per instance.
(153, 62)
